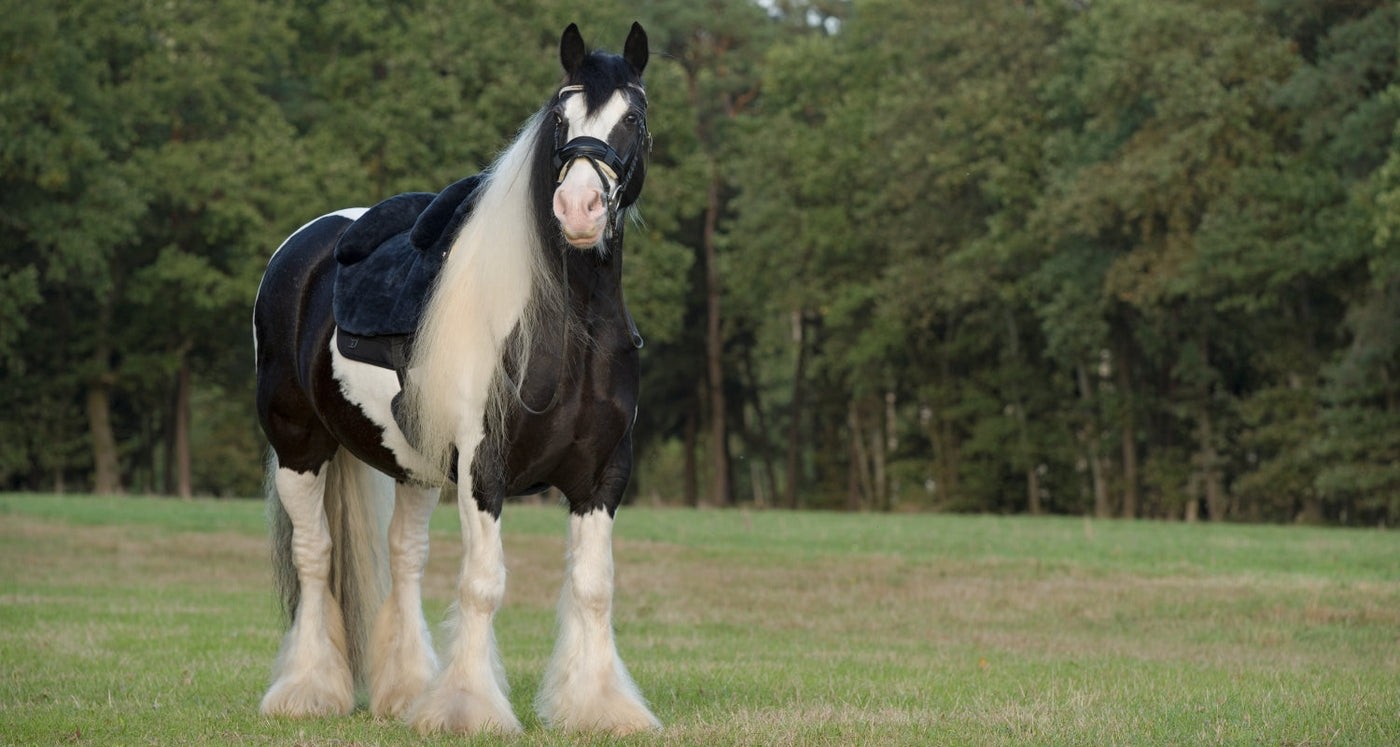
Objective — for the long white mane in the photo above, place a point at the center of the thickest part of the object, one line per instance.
(491, 284)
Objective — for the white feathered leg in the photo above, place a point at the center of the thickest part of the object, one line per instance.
(469, 694)
(586, 685)
(312, 675)
(402, 662)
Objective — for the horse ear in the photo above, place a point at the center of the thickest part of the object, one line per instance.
(635, 50)
(571, 49)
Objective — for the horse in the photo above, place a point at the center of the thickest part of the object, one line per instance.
(523, 373)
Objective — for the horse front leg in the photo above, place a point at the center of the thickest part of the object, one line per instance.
(470, 693)
(402, 662)
(586, 686)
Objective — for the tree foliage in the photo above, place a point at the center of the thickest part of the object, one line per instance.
(1121, 258)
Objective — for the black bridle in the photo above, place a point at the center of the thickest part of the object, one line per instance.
(615, 170)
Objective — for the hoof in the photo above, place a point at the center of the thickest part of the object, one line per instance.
(307, 699)
(392, 694)
(394, 702)
(452, 711)
(613, 712)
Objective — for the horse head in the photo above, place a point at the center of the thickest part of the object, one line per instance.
(599, 122)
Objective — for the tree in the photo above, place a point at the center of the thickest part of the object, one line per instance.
(69, 204)
(140, 193)
(716, 45)
(1164, 108)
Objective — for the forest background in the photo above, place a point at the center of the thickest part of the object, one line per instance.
(1103, 257)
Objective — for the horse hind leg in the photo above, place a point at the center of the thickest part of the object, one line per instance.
(402, 662)
(312, 675)
(586, 686)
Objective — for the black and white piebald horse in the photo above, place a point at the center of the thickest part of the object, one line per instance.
(522, 373)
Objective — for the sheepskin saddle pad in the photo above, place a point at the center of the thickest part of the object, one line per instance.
(387, 261)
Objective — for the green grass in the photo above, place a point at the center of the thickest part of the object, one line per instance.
(146, 621)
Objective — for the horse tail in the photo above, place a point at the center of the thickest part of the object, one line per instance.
(358, 503)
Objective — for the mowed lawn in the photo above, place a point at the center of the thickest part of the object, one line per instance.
(148, 621)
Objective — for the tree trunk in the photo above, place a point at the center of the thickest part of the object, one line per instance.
(1027, 460)
(1192, 512)
(1033, 492)
(945, 454)
(692, 469)
(862, 489)
(852, 480)
(1130, 468)
(714, 349)
(106, 468)
(879, 493)
(757, 483)
(1210, 470)
(792, 470)
(1023, 438)
(106, 465)
(151, 444)
(167, 464)
(1311, 511)
(1209, 459)
(1090, 439)
(753, 430)
(761, 469)
(947, 451)
(1128, 424)
(1101, 508)
(184, 487)
(891, 446)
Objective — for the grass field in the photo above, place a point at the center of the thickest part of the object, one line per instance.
(146, 621)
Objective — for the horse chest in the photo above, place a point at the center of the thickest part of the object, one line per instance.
(570, 442)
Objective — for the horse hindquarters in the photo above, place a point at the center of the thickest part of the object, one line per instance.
(328, 529)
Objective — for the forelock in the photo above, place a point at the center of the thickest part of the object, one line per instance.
(600, 75)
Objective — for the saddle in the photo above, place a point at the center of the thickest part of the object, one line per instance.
(387, 261)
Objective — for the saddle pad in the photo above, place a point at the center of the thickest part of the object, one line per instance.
(390, 257)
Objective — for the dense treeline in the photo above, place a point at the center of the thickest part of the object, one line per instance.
(1110, 257)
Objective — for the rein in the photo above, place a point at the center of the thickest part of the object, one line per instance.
(519, 386)
(633, 335)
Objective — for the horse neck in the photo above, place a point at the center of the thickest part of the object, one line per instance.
(593, 280)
